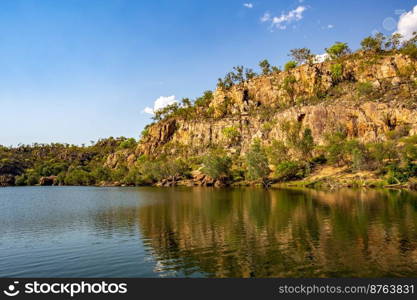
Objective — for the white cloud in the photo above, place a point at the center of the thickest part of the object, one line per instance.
(407, 24)
(248, 5)
(330, 26)
(284, 19)
(266, 17)
(148, 110)
(160, 103)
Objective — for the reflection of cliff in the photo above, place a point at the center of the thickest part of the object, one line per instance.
(244, 233)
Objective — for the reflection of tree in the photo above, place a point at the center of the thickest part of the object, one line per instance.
(281, 233)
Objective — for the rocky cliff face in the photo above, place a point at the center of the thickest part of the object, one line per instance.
(368, 95)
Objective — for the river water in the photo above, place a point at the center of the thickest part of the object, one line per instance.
(205, 232)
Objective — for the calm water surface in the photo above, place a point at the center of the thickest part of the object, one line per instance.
(202, 232)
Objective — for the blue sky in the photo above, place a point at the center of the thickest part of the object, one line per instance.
(75, 71)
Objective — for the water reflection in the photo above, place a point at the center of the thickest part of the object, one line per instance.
(276, 233)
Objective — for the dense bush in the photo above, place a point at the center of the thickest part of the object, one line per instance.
(78, 176)
(290, 170)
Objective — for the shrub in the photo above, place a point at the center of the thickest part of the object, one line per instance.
(127, 144)
(289, 170)
(410, 50)
(231, 133)
(290, 65)
(408, 150)
(33, 179)
(217, 165)
(288, 84)
(336, 71)
(398, 132)
(318, 160)
(365, 88)
(20, 180)
(399, 174)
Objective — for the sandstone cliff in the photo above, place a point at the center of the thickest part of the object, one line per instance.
(368, 95)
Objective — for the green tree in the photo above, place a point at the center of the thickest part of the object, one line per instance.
(338, 50)
(265, 67)
(232, 134)
(306, 144)
(249, 74)
(165, 112)
(217, 165)
(238, 74)
(277, 152)
(302, 55)
(257, 163)
(375, 43)
(394, 41)
(186, 102)
(275, 69)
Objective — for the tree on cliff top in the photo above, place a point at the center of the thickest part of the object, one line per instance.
(339, 49)
(373, 43)
(290, 65)
(265, 67)
(302, 55)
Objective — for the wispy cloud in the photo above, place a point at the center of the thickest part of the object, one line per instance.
(282, 21)
(266, 17)
(248, 5)
(160, 103)
(407, 24)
